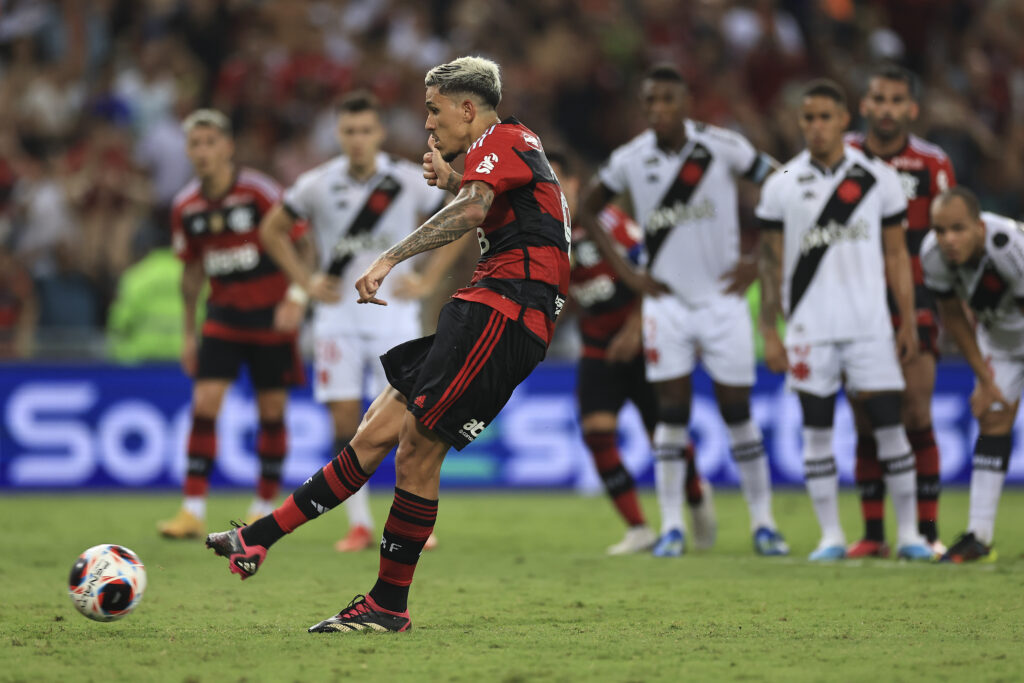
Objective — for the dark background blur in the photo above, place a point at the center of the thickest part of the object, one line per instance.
(92, 93)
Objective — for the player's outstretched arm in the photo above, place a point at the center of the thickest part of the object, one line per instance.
(595, 199)
(466, 212)
(898, 275)
(769, 265)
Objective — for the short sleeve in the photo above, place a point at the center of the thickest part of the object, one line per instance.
(893, 198)
(494, 161)
(299, 199)
(1007, 253)
(740, 155)
(614, 173)
(180, 242)
(769, 207)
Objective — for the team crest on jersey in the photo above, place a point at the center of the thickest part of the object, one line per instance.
(216, 222)
(849, 191)
(691, 173)
(909, 184)
(486, 164)
(532, 141)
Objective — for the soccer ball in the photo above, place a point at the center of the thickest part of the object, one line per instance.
(107, 582)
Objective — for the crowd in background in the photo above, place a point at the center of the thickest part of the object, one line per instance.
(92, 93)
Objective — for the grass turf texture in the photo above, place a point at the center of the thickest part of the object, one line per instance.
(519, 590)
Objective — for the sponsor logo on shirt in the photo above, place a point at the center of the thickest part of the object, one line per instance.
(679, 213)
(832, 233)
(486, 164)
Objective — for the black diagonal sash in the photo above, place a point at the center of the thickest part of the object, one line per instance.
(840, 206)
(691, 172)
(377, 203)
(989, 290)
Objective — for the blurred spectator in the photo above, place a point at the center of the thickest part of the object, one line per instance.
(72, 73)
(18, 308)
(145, 321)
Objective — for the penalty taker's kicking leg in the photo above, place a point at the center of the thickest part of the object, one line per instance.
(246, 547)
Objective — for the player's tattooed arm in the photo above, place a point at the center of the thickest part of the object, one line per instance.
(770, 269)
(769, 266)
(467, 211)
(898, 275)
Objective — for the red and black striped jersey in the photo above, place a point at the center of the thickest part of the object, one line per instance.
(604, 301)
(523, 271)
(223, 233)
(924, 171)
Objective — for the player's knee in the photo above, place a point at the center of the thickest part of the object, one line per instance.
(996, 421)
(735, 413)
(677, 413)
(819, 411)
(884, 409)
(206, 400)
(917, 411)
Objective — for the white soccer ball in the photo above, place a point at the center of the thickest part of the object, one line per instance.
(107, 582)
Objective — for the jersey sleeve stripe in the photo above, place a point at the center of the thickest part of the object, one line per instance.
(895, 219)
(291, 211)
(767, 224)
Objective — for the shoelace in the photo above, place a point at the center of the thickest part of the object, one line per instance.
(356, 607)
(235, 524)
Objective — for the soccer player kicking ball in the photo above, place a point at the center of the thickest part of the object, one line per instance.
(978, 259)
(832, 234)
(445, 388)
(358, 203)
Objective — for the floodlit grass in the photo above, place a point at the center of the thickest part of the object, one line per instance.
(519, 590)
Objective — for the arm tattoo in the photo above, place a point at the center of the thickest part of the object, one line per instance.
(454, 181)
(770, 270)
(466, 212)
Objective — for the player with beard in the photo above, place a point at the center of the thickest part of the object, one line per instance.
(890, 106)
(357, 204)
(445, 388)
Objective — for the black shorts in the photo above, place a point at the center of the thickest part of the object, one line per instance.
(604, 387)
(271, 366)
(456, 380)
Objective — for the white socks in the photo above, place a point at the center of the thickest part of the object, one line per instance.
(670, 473)
(357, 506)
(755, 476)
(196, 506)
(991, 457)
(823, 483)
(897, 461)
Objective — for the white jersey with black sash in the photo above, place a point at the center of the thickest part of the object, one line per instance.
(686, 201)
(833, 286)
(993, 286)
(355, 221)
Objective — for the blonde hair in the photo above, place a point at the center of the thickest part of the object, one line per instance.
(207, 117)
(474, 75)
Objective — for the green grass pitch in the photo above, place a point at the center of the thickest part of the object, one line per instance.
(519, 590)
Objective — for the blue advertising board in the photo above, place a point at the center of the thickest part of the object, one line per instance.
(108, 426)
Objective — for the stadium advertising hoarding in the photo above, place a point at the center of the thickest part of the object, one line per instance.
(107, 426)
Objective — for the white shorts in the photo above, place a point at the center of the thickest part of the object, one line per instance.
(1007, 367)
(860, 365)
(720, 333)
(346, 367)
